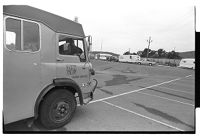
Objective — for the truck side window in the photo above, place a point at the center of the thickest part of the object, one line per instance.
(72, 46)
(80, 45)
(31, 36)
(13, 34)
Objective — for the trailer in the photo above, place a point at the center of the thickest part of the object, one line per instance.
(46, 70)
(102, 56)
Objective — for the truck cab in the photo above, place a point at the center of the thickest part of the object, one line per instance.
(46, 70)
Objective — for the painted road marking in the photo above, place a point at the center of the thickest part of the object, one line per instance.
(166, 98)
(175, 90)
(143, 116)
(166, 82)
(188, 76)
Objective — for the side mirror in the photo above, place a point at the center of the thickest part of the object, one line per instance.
(92, 71)
(89, 40)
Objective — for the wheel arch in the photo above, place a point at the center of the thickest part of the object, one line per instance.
(57, 83)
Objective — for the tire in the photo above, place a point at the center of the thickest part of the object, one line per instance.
(139, 63)
(57, 109)
(150, 64)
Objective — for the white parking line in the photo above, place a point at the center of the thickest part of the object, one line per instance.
(166, 82)
(188, 76)
(166, 98)
(175, 90)
(143, 116)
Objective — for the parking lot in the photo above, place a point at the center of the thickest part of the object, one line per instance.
(131, 97)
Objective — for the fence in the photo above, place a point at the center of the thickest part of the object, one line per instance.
(169, 62)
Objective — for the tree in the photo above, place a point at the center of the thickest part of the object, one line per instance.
(161, 53)
(139, 53)
(144, 53)
(152, 53)
(173, 55)
(133, 53)
(127, 53)
(155, 55)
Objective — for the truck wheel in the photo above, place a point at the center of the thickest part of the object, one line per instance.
(139, 63)
(57, 109)
(150, 64)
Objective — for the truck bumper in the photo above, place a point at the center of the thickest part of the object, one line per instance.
(87, 97)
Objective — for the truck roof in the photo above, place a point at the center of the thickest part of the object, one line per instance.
(55, 22)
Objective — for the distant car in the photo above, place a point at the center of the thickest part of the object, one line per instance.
(112, 58)
(146, 62)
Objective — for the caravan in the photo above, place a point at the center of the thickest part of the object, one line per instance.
(187, 63)
(104, 56)
(129, 58)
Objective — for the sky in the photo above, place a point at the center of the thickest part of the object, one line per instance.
(120, 25)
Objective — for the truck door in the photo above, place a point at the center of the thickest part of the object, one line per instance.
(70, 64)
(21, 68)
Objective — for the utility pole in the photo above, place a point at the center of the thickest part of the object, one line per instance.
(174, 49)
(149, 42)
(174, 55)
(101, 45)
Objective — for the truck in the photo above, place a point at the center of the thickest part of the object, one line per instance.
(129, 58)
(41, 78)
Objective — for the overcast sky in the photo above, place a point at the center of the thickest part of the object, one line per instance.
(122, 24)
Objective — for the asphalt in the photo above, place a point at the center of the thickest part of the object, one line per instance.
(132, 98)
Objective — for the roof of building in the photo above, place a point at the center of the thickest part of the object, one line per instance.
(104, 52)
(55, 22)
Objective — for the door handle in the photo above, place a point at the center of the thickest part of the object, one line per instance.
(59, 59)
